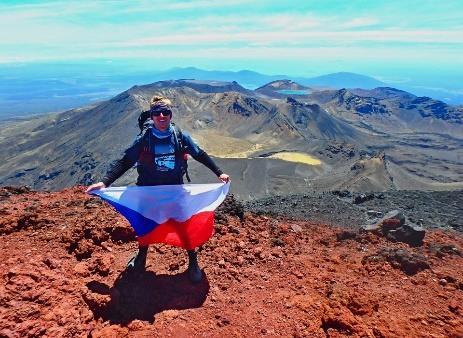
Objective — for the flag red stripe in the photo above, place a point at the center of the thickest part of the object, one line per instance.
(188, 234)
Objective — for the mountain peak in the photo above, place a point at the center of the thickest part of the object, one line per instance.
(203, 86)
(344, 80)
(284, 84)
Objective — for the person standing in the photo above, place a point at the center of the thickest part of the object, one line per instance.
(160, 154)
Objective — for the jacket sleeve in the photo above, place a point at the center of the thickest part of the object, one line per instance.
(120, 166)
(200, 155)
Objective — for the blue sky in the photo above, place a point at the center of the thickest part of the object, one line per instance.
(391, 40)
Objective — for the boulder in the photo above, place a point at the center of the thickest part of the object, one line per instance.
(392, 220)
(409, 233)
(394, 227)
(363, 198)
(402, 259)
(342, 193)
(393, 217)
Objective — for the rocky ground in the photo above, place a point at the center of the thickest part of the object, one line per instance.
(63, 255)
(431, 209)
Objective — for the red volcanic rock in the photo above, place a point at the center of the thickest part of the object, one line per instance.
(63, 255)
(113, 331)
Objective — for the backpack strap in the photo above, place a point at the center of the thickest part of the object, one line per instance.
(146, 156)
(181, 151)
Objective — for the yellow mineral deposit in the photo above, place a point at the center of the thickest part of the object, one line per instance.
(297, 157)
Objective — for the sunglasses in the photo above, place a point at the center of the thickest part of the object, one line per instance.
(159, 112)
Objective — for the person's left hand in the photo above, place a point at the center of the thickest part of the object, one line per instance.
(224, 178)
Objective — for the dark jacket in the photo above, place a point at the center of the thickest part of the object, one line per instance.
(159, 160)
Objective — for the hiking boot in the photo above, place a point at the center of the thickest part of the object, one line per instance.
(138, 261)
(194, 271)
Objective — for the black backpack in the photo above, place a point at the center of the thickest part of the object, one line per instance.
(142, 119)
(145, 123)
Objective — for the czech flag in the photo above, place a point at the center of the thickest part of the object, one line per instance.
(179, 215)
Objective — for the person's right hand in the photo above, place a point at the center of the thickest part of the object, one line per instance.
(224, 178)
(95, 186)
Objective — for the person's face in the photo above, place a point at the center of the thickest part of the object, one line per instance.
(161, 121)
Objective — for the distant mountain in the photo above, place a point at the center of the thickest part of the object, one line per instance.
(383, 93)
(342, 80)
(396, 102)
(253, 80)
(314, 122)
(242, 128)
(204, 86)
(282, 88)
(246, 78)
(41, 88)
(390, 110)
(283, 85)
(77, 146)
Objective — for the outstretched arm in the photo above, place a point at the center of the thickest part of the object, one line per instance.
(119, 167)
(201, 156)
(205, 159)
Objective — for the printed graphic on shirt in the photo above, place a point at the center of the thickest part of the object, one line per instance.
(165, 157)
(165, 162)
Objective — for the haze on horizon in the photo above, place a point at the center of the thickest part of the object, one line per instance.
(414, 42)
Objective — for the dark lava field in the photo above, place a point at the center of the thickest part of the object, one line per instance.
(430, 209)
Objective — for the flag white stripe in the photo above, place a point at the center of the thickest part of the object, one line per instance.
(163, 202)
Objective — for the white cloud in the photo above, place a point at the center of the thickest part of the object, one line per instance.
(440, 89)
(49, 10)
(301, 37)
(287, 21)
(57, 30)
(195, 4)
(389, 79)
(53, 9)
(280, 54)
(361, 22)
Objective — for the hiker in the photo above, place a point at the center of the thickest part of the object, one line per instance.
(160, 152)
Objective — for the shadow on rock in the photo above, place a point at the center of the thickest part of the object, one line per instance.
(143, 295)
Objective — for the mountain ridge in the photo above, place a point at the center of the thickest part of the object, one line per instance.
(237, 126)
(42, 88)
